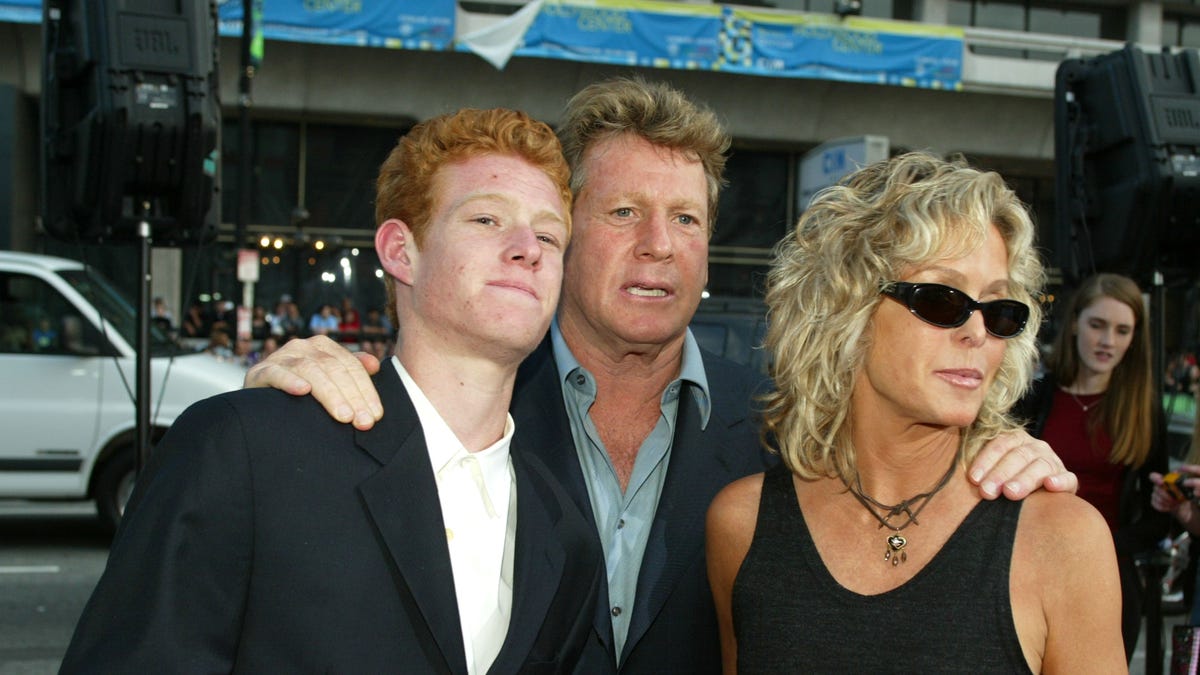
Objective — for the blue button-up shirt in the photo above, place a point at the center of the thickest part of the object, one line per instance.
(623, 519)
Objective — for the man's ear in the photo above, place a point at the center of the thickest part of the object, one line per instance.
(397, 250)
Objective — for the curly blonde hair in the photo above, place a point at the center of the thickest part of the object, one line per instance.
(825, 282)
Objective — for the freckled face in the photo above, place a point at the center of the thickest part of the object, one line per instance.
(638, 260)
(918, 373)
(488, 275)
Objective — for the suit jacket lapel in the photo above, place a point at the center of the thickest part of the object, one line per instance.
(699, 468)
(539, 409)
(538, 564)
(401, 499)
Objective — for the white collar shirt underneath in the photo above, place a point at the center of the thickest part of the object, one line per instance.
(477, 495)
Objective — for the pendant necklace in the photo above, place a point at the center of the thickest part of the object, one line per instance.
(910, 508)
(1085, 407)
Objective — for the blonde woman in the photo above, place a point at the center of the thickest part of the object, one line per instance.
(902, 324)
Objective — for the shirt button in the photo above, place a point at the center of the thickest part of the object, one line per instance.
(616, 611)
(620, 523)
(579, 380)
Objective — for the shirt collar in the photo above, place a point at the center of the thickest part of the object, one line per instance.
(691, 372)
(440, 441)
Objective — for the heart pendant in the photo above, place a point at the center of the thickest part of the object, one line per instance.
(895, 550)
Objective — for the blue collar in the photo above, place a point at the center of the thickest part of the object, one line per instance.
(691, 371)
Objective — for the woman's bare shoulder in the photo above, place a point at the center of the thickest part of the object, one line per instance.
(729, 532)
(1061, 520)
(734, 513)
(1066, 595)
(738, 499)
(1062, 543)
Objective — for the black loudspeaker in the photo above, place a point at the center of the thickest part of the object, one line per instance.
(1127, 151)
(130, 120)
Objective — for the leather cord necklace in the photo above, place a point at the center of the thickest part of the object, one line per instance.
(910, 508)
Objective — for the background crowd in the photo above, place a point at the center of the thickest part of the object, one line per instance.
(212, 327)
(1183, 375)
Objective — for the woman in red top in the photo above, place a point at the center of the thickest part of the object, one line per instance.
(1095, 407)
(350, 324)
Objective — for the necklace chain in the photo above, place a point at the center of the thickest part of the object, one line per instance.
(910, 508)
(1088, 406)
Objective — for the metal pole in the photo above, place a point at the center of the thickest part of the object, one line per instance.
(1158, 317)
(1155, 647)
(142, 391)
(245, 159)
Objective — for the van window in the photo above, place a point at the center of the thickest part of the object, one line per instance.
(36, 319)
(119, 312)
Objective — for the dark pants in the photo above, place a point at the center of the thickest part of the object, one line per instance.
(1132, 599)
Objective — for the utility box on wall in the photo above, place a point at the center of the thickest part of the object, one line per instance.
(831, 161)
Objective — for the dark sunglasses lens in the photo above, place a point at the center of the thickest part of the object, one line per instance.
(1005, 318)
(940, 305)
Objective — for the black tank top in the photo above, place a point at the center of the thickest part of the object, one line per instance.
(955, 615)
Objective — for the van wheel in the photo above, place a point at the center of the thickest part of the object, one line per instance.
(114, 484)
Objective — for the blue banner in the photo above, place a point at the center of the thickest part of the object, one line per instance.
(851, 49)
(648, 33)
(400, 24)
(630, 33)
(748, 42)
(21, 11)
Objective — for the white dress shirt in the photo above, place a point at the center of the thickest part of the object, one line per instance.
(476, 491)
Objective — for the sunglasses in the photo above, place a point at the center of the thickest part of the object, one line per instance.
(948, 307)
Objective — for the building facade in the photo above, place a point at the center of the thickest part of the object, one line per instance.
(324, 116)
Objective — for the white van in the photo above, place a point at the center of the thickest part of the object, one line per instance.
(68, 380)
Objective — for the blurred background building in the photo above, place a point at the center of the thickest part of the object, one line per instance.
(342, 79)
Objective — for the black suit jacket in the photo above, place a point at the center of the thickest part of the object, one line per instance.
(266, 537)
(674, 626)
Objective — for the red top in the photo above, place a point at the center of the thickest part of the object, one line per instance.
(349, 326)
(1066, 432)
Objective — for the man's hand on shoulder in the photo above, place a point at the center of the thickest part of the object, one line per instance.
(339, 379)
(1017, 464)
